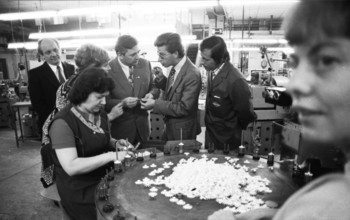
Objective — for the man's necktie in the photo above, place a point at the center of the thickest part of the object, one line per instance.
(209, 79)
(60, 76)
(171, 77)
(131, 75)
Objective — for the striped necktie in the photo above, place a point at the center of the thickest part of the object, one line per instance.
(60, 76)
(131, 76)
(171, 77)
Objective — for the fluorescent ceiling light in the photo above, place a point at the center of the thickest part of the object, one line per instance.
(65, 43)
(68, 34)
(151, 6)
(27, 15)
(104, 32)
(171, 5)
(92, 10)
(104, 42)
(260, 2)
(26, 45)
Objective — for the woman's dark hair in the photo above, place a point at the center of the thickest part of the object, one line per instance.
(172, 41)
(218, 49)
(314, 20)
(90, 80)
(124, 43)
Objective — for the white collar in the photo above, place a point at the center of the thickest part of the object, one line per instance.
(124, 67)
(54, 67)
(180, 64)
(122, 64)
(217, 70)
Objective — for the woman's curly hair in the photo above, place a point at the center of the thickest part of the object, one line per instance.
(90, 55)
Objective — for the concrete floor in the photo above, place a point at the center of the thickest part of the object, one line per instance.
(20, 184)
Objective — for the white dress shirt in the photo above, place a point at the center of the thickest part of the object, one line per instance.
(178, 67)
(54, 69)
(125, 68)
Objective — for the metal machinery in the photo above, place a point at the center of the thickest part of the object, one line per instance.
(271, 103)
(277, 130)
(260, 134)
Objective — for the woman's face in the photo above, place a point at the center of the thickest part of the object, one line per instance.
(95, 102)
(320, 88)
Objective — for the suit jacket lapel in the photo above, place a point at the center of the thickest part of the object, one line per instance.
(50, 75)
(119, 76)
(178, 79)
(221, 76)
(66, 70)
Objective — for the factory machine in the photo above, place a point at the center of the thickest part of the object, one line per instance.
(260, 134)
(277, 129)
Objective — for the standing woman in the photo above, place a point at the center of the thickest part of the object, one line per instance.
(80, 137)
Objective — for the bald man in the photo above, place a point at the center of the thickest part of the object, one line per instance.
(43, 81)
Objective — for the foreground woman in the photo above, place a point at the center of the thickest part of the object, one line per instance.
(319, 31)
(83, 149)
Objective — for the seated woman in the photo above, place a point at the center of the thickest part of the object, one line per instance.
(83, 148)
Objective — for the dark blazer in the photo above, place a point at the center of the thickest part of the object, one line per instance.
(134, 121)
(42, 87)
(179, 105)
(228, 108)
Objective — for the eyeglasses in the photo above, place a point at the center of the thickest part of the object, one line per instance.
(163, 55)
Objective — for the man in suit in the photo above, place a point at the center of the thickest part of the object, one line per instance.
(134, 80)
(228, 104)
(179, 103)
(43, 81)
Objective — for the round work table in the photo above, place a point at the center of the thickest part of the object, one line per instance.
(131, 201)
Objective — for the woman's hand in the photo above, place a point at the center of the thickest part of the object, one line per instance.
(116, 111)
(222, 215)
(123, 145)
(119, 155)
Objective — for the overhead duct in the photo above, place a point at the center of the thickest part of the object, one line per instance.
(217, 17)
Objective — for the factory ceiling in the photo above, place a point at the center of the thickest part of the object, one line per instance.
(236, 16)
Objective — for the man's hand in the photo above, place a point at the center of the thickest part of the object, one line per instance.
(148, 96)
(130, 102)
(158, 72)
(147, 103)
